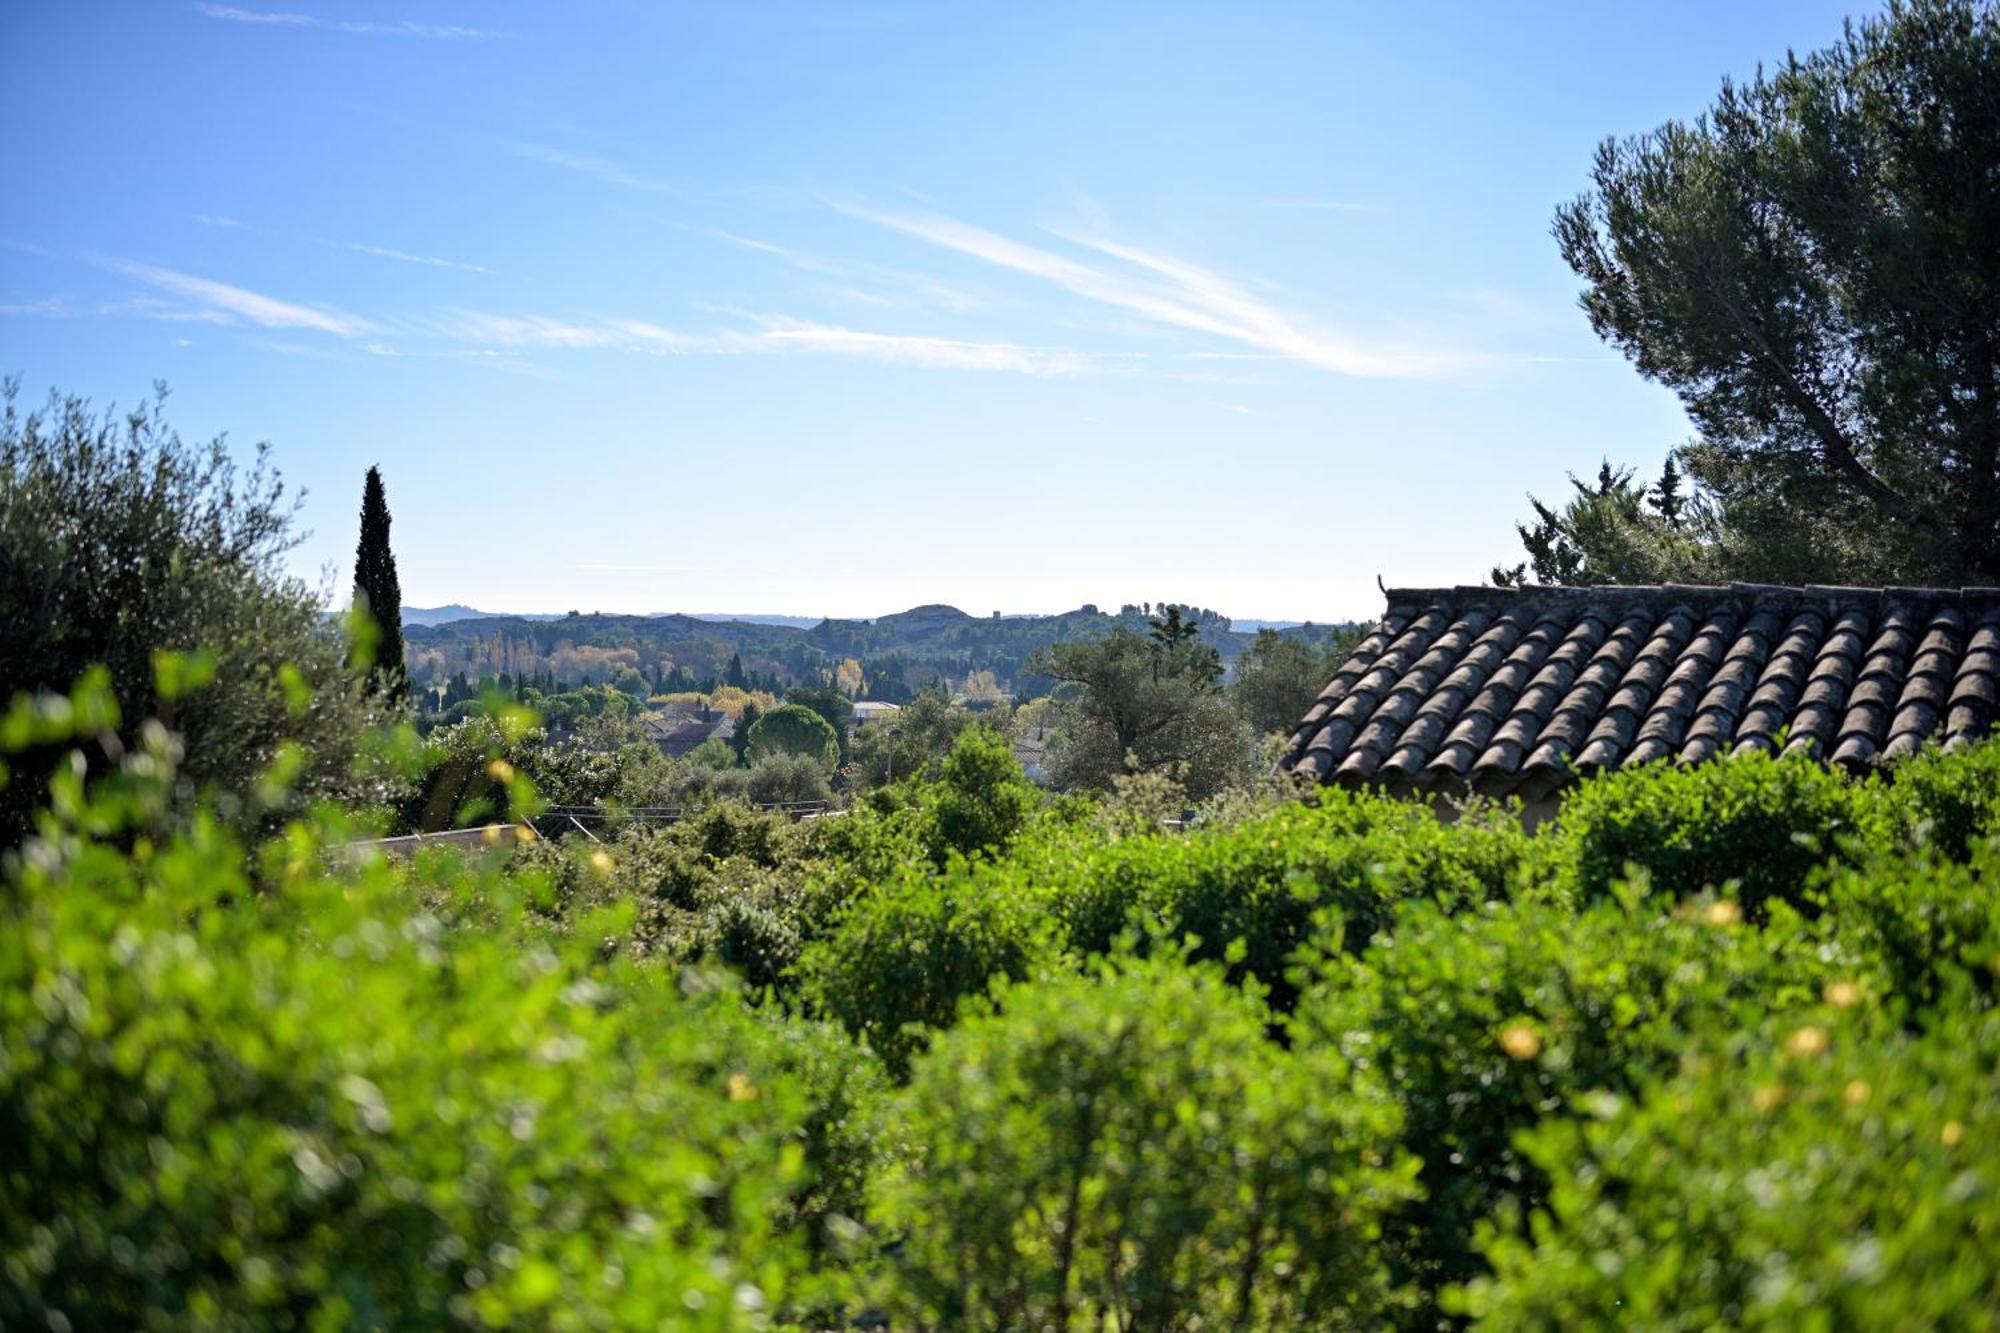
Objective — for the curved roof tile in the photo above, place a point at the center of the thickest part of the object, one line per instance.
(1515, 689)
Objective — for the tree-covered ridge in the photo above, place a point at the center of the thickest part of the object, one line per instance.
(898, 654)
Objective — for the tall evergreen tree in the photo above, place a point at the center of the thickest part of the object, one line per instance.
(1811, 267)
(377, 591)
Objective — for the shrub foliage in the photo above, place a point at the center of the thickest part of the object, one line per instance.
(1715, 1048)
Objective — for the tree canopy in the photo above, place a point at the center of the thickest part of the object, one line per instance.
(1811, 267)
(1614, 530)
(119, 544)
(793, 729)
(1279, 676)
(1147, 703)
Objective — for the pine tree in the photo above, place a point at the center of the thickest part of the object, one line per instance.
(377, 591)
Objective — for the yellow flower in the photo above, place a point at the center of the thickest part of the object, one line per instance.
(1952, 1135)
(1842, 994)
(1768, 1096)
(1723, 913)
(1520, 1041)
(600, 861)
(1856, 1092)
(490, 834)
(523, 834)
(1808, 1041)
(741, 1089)
(500, 771)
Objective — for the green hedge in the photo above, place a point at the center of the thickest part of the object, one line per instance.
(1483, 1024)
(1756, 825)
(905, 954)
(1808, 1175)
(1336, 1064)
(1127, 1150)
(280, 1090)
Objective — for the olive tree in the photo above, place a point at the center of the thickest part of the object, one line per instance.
(119, 545)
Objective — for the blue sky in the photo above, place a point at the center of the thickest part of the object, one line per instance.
(837, 309)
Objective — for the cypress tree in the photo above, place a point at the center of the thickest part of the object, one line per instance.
(377, 591)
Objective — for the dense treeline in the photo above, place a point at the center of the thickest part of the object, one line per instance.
(891, 659)
(1717, 1047)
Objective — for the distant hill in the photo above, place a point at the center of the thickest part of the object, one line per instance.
(898, 653)
(442, 615)
(455, 611)
(796, 622)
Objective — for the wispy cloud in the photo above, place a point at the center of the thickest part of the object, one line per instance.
(179, 296)
(489, 335)
(796, 258)
(602, 168)
(404, 256)
(904, 289)
(49, 307)
(259, 16)
(358, 247)
(917, 350)
(442, 32)
(540, 331)
(143, 306)
(148, 306)
(221, 298)
(1169, 291)
(774, 334)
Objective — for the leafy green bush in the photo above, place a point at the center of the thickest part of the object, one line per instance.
(1483, 1024)
(1924, 926)
(901, 956)
(760, 940)
(728, 829)
(984, 799)
(712, 881)
(1129, 1151)
(1266, 880)
(277, 1090)
(783, 779)
(295, 1085)
(1814, 1176)
(1949, 801)
(471, 770)
(583, 770)
(1761, 824)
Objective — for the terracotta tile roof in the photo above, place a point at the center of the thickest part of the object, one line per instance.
(678, 737)
(1504, 690)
